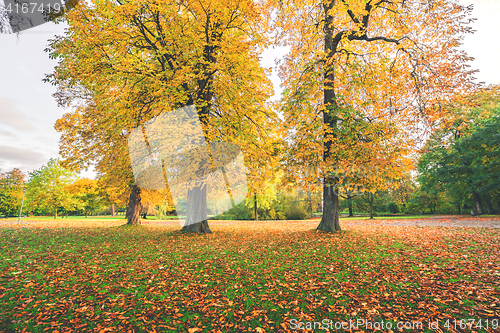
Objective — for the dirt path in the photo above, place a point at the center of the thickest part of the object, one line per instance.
(443, 221)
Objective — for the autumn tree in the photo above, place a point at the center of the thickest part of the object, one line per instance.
(89, 193)
(151, 57)
(47, 188)
(113, 195)
(461, 158)
(361, 79)
(11, 191)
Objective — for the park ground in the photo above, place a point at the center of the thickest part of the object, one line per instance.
(89, 275)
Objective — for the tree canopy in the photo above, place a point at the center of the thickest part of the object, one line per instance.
(361, 79)
(11, 191)
(48, 188)
(123, 63)
(463, 157)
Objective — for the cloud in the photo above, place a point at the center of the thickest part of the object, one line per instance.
(12, 117)
(24, 159)
(8, 134)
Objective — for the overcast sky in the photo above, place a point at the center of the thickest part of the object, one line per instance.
(28, 111)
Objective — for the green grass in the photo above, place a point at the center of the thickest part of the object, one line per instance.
(121, 217)
(245, 275)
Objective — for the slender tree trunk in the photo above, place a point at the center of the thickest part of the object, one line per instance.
(479, 207)
(255, 207)
(55, 213)
(134, 205)
(489, 206)
(371, 205)
(196, 218)
(112, 209)
(459, 206)
(310, 204)
(330, 219)
(349, 201)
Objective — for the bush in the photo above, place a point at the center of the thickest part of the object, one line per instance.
(393, 208)
(283, 209)
(413, 208)
(238, 212)
(297, 212)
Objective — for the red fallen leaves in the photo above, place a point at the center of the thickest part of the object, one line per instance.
(369, 271)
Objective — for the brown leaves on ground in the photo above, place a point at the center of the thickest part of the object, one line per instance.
(246, 277)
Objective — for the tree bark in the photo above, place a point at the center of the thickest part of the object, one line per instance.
(134, 205)
(196, 218)
(489, 206)
(112, 209)
(330, 219)
(255, 207)
(310, 204)
(459, 206)
(371, 205)
(477, 199)
(55, 213)
(349, 201)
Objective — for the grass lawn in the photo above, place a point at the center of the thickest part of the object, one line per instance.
(122, 217)
(267, 276)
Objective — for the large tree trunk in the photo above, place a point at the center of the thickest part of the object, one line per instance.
(330, 219)
(196, 218)
(196, 214)
(112, 209)
(479, 207)
(134, 205)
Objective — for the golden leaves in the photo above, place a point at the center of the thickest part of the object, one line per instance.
(127, 64)
(377, 72)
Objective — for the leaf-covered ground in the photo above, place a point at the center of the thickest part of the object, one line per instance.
(84, 275)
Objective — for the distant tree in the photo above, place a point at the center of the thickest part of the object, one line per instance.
(463, 157)
(361, 76)
(89, 193)
(11, 191)
(114, 196)
(404, 191)
(152, 57)
(48, 188)
(151, 200)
